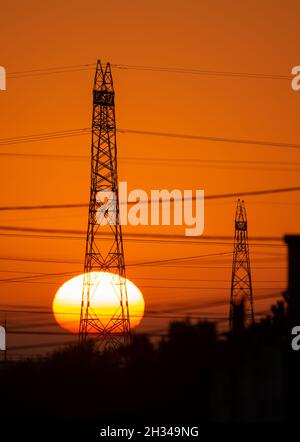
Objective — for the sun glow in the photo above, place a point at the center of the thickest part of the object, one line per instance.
(104, 301)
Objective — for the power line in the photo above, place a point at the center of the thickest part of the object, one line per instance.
(44, 274)
(161, 236)
(44, 206)
(40, 259)
(86, 131)
(56, 283)
(210, 138)
(64, 343)
(35, 273)
(30, 324)
(211, 163)
(177, 308)
(163, 69)
(151, 313)
(142, 287)
(153, 240)
(189, 71)
(185, 258)
(69, 261)
(142, 263)
(184, 267)
(180, 266)
(219, 303)
(208, 316)
(207, 197)
(145, 315)
(46, 136)
(55, 68)
(196, 161)
(35, 276)
(32, 279)
(218, 164)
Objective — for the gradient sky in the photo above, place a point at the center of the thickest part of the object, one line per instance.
(249, 36)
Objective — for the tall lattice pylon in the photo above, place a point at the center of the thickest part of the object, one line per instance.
(241, 283)
(106, 256)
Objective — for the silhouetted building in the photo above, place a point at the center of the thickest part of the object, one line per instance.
(293, 300)
(293, 292)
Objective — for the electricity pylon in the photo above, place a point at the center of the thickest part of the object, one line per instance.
(241, 284)
(104, 255)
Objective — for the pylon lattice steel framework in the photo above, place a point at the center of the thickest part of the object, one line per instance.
(241, 283)
(100, 256)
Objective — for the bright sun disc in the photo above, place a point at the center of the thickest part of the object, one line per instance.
(104, 302)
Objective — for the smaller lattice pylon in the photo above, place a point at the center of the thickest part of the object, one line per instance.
(241, 282)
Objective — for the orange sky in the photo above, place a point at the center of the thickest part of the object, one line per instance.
(249, 36)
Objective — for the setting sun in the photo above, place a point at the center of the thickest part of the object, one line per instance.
(104, 302)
